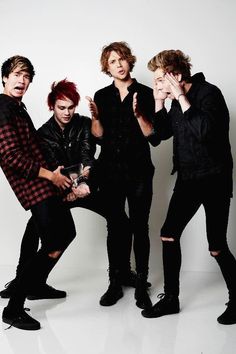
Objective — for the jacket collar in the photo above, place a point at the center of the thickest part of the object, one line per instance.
(56, 126)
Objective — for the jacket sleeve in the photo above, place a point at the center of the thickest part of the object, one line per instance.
(162, 127)
(87, 143)
(146, 105)
(11, 150)
(49, 152)
(208, 116)
(99, 104)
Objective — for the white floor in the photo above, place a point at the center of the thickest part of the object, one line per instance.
(79, 325)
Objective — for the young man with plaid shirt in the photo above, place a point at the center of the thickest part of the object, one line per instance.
(33, 184)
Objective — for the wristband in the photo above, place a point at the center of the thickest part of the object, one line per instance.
(181, 94)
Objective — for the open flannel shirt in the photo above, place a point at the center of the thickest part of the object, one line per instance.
(20, 155)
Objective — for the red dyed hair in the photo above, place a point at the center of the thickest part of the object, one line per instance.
(61, 90)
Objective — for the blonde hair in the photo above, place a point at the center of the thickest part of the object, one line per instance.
(174, 61)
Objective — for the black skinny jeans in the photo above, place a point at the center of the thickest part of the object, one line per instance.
(138, 195)
(30, 241)
(214, 194)
(55, 225)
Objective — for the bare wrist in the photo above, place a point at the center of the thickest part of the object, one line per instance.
(159, 104)
(46, 174)
(50, 176)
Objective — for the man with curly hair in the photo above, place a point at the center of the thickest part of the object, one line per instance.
(122, 123)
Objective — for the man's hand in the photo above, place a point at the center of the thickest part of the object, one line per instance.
(175, 86)
(92, 107)
(178, 91)
(157, 93)
(85, 171)
(96, 128)
(81, 191)
(144, 124)
(159, 97)
(60, 180)
(70, 197)
(136, 110)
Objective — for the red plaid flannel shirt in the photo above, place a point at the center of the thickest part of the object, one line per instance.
(20, 155)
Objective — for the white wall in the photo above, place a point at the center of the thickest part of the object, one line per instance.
(64, 39)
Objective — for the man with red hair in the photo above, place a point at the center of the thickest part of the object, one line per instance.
(65, 140)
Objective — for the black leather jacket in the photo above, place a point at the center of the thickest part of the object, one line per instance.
(201, 144)
(70, 146)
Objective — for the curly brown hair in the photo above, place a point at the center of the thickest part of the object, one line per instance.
(123, 49)
(174, 61)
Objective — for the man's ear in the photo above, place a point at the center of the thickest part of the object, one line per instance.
(4, 79)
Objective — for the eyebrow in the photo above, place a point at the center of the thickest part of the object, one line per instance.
(24, 72)
(63, 106)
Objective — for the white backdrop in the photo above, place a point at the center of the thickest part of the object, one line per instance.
(64, 39)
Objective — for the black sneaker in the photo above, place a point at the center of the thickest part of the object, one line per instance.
(112, 295)
(228, 317)
(9, 289)
(167, 305)
(130, 279)
(46, 291)
(20, 319)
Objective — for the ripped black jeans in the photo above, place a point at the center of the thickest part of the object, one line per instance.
(213, 193)
(55, 225)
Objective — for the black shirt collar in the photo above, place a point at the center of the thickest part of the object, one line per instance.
(131, 88)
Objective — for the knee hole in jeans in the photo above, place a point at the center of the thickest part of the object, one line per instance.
(215, 253)
(167, 239)
(54, 254)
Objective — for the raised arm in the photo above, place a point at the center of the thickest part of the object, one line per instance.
(96, 127)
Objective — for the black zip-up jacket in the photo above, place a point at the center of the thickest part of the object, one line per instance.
(70, 146)
(201, 144)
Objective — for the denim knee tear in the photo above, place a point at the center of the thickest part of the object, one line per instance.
(215, 253)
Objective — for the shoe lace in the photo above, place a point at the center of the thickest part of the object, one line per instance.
(7, 284)
(11, 324)
(161, 296)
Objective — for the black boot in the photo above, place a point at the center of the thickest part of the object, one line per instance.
(227, 264)
(129, 279)
(228, 317)
(114, 291)
(141, 293)
(167, 305)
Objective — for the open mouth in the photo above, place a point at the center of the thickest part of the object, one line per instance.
(19, 88)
